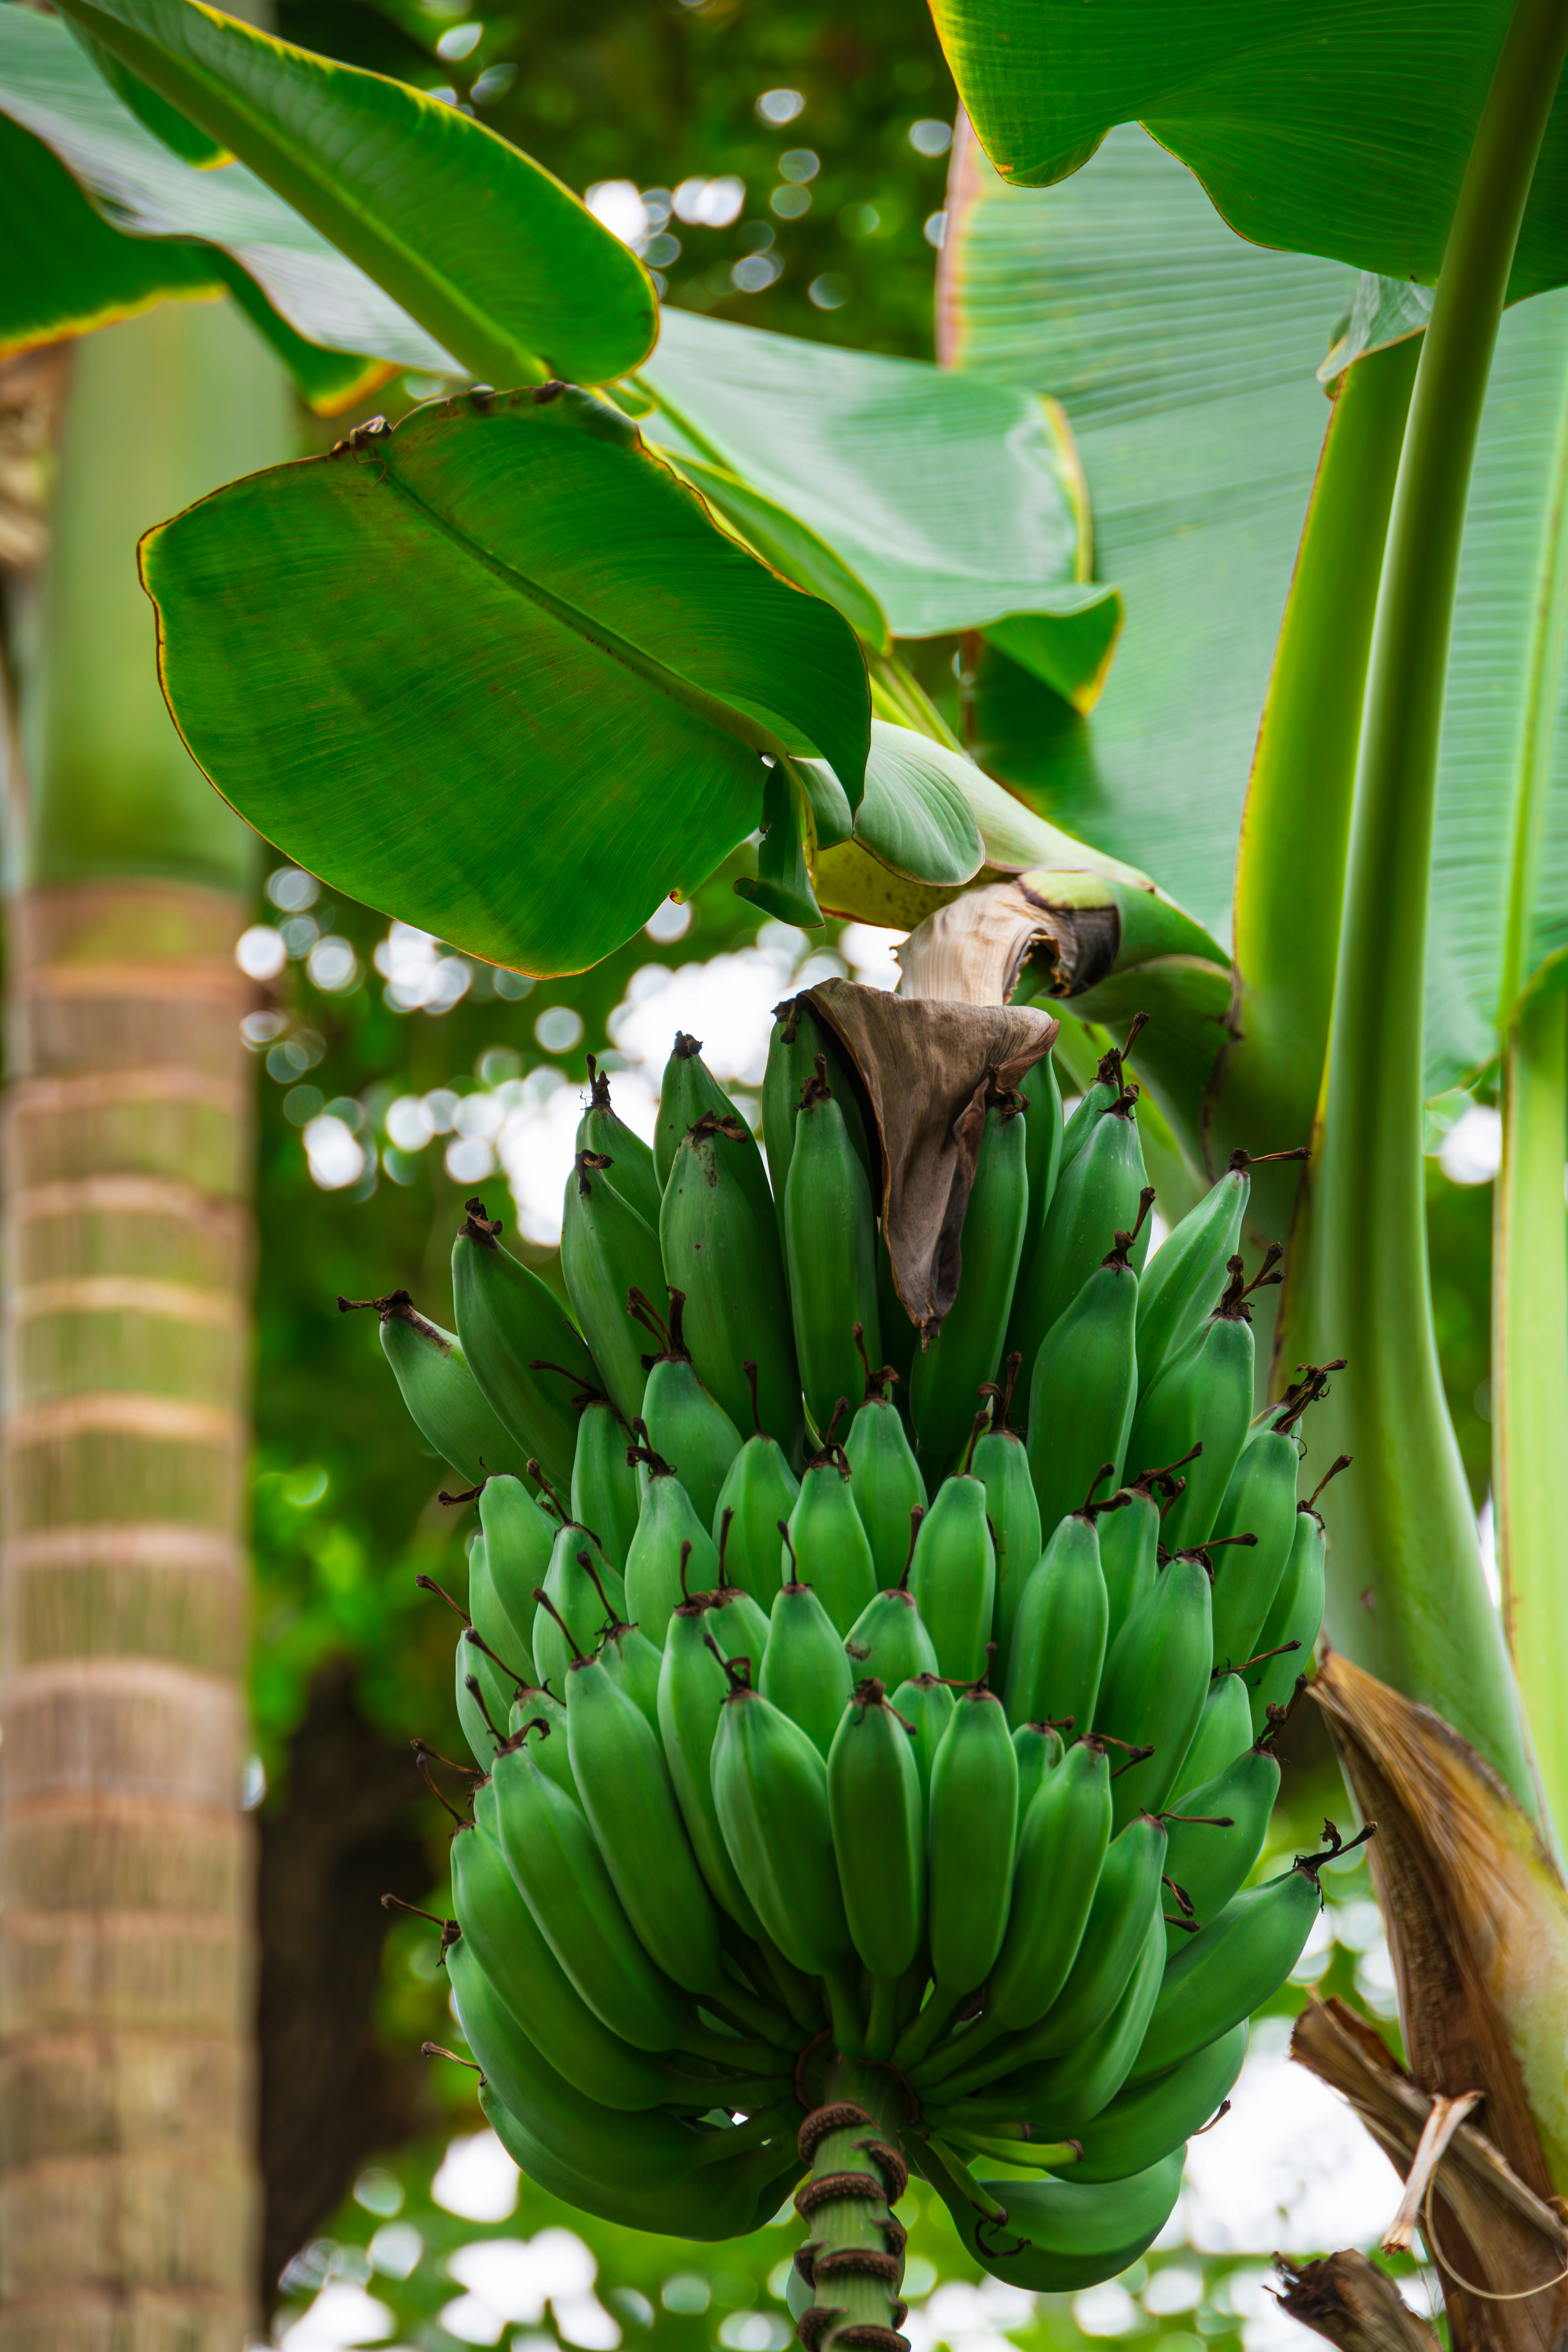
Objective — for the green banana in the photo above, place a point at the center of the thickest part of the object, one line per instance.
(522, 1345)
(581, 1594)
(1061, 2235)
(726, 1262)
(691, 1687)
(973, 1824)
(518, 1539)
(492, 1620)
(888, 1640)
(927, 1702)
(1217, 1833)
(953, 1576)
(625, 1788)
(1061, 1848)
(1084, 1385)
(671, 1543)
(689, 1091)
(633, 1663)
(604, 1483)
(1062, 2099)
(830, 1548)
(608, 1249)
(884, 1477)
(482, 1700)
(1296, 1615)
(1058, 1650)
(770, 1788)
(967, 1349)
(796, 1039)
(1001, 1463)
(759, 1490)
(1109, 1087)
(1260, 1500)
(1097, 1196)
(879, 1831)
(737, 1624)
(1222, 1973)
(1130, 1542)
(539, 1710)
(1039, 1749)
(830, 1246)
(445, 1402)
(1042, 1150)
(687, 1427)
(805, 1671)
(1188, 1274)
(1156, 2117)
(601, 1129)
(1223, 1733)
(1203, 1397)
(499, 1928)
(555, 1860)
(1125, 1909)
(1155, 1683)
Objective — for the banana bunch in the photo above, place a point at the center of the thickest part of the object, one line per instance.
(843, 1750)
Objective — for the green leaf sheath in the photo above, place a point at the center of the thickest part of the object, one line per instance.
(1295, 826)
(1406, 1595)
(517, 685)
(1329, 126)
(506, 269)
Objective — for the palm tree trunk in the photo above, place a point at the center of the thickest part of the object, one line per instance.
(128, 2197)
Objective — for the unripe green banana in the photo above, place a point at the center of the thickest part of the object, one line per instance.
(928, 1702)
(555, 1860)
(759, 1490)
(1066, 2095)
(1157, 2118)
(688, 1092)
(829, 1546)
(1155, 1683)
(584, 1594)
(522, 1345)
(491, 1619)
(830, 1252)
(632, 1663)
(691, 1687)
(608, 1249)
(805, 1671)
(1203, 1397)
(625, 1790)
(1127, 1906)
(518, 1539)
(1096, 1198)
(973, 1824)
(1217, 1832)
(445, 1402)
(879, 1831)
(726, 1261)
(1129, 1544)
(1296, 1616)
(542, 1716)
(1061, 1848)
(735, 1622)
(884, 1477)
(689, 1428)
(1085, 1385)
(601, 1129)
(770, 1786)
(1222, 1973)
(953, 1576)
(499, 1929)
(1058, 1637)
(672, 1544)
(967, 1349)
(1109, 1084)
(1039, 1749)
(796, 1039)
(1188, 1274)
(1260, 1500)
(888, 1640)
(1073, 2233)
(1000, 1460)
(1223, 1733)
(604, 1494)
(1042, 1150)
(483, 1697)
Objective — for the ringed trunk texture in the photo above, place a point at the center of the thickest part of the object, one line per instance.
(128, 2197)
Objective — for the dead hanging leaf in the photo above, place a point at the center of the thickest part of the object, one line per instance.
(925, 1069)
(973, 949)
(1354, 2303)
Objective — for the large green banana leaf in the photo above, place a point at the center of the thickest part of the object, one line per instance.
(958, 503)
(496, 671)
(500, 264)
(1337, 127)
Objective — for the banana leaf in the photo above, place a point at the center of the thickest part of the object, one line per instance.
(1338, 126)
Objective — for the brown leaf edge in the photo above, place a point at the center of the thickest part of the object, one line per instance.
(1354, 2303)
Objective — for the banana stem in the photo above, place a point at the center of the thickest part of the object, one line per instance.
(1042, 2156)
(962, 2180)
(1406, 1596)
(853, 2256)
(730, 2050)
(844, 2006)
(959, 2052)
(738, 2007)
(927, 2028)
(882, 2030)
